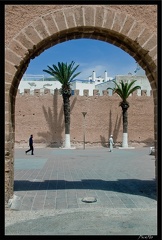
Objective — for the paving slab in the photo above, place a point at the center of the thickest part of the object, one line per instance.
(50, 185)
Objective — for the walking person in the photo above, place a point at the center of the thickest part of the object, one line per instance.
(30, 145)
(111, 143)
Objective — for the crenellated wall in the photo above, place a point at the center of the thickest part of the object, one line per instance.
(37, 92)
(42, 116)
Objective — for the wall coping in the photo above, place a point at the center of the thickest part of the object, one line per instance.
(38, 92)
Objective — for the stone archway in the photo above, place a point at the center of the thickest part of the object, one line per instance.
(72, 22)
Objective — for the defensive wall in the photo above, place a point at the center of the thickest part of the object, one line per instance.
(42, 115)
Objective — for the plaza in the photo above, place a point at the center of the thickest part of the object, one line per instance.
(50, 186)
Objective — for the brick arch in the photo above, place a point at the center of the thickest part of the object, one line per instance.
(93, 22)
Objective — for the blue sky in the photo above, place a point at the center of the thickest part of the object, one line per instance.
(90, 55)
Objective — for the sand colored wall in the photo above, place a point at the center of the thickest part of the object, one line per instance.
(42, 116)
(15, 22)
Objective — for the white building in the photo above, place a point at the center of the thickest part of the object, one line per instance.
(100, 83)
(99, 79)
(139, 76)
(83, 85)
(92, 83)
(104, 85)
(37, 82)
(41, 82)
(141, 81)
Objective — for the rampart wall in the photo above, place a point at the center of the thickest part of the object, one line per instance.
(42, 115)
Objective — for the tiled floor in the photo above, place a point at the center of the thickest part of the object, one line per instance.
(61, 178)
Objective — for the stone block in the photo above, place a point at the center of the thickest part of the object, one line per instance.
(143, 37)
(118, 21)
(26, 91)
(76, 92)
(46, 91)
(24, 41)
(88, 15)
(10, 68)
(50, 23)
(18, 48)
(143, 92)
(36, 92)
(108, 18)
(40, 28)
(60, 20)
(12, 57)
(151, 43)
(95, 92)
(105, 92)
(135, 31)
(31, 32)
(85, 92)
(69, 16)
(127, 25)
(78, 14)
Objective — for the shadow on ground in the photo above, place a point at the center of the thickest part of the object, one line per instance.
(145, 188)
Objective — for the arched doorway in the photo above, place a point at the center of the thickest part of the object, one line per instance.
(73, 22)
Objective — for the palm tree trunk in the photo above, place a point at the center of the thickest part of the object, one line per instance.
(125, 120)
(125, 127)
(66, 101)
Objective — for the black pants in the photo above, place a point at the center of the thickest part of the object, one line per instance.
(31, 149)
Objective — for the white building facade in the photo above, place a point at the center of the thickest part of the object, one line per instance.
(92, 83)
(33, 82)
(141, 81)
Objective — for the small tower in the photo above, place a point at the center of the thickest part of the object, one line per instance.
(93, 76)
(105, 76)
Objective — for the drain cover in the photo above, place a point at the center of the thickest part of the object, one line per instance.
(36, 180)
(89, 199)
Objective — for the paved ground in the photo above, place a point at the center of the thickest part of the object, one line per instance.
(50, 185)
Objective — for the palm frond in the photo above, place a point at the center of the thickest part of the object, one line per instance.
(124, 89)
(63, 72)
(134, 89)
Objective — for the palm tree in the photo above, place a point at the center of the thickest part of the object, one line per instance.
(64, 73)
(124, 90)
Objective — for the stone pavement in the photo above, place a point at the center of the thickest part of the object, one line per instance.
(50, 185)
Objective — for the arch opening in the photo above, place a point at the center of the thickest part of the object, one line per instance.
(109, 36)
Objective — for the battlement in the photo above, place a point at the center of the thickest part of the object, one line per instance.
(86, 92)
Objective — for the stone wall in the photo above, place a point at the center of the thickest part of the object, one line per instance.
(42, 116)
(15, 21)
(31, 29)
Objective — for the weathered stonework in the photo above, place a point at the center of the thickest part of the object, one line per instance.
(31, 29)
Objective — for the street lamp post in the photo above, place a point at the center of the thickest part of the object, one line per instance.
(84, 113)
